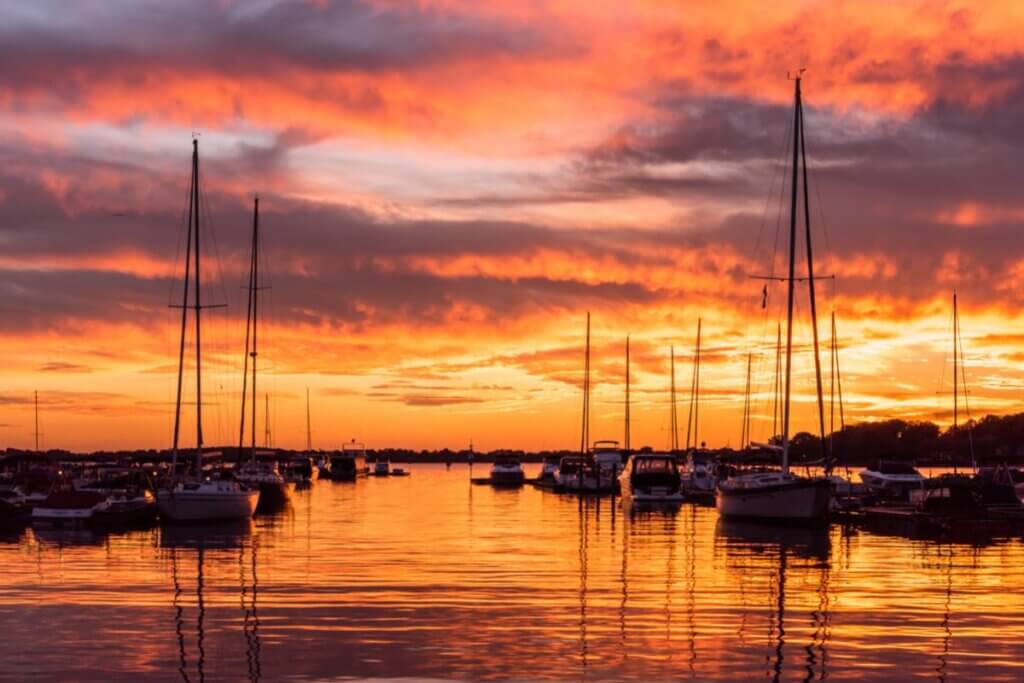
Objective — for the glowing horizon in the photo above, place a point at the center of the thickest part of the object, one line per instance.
(446, 189)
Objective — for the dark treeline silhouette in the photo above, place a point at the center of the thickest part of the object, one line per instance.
(990, 440)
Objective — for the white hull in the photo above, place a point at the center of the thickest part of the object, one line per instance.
(196, 506)
(805, 500)
(878, 482)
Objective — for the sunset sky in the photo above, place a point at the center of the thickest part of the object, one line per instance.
(447, 188)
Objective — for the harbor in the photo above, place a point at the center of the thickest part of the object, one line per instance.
(351, 580)
(437, 341)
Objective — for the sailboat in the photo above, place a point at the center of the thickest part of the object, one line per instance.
(699, 477)
(782, 495)
(320, 459)
(258, 473)
(579, 473)
(195, 498)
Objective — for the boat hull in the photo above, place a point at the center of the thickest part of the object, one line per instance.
(891, 484)
(274, 495)
(191, 506)
(805, 501)
(62, 517)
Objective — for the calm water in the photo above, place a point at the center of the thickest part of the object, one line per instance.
(429, 577)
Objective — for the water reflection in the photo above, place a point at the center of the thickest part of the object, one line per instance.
(754, 548)
(429, 577)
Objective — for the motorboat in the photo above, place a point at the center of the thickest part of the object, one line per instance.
(774, 495)
(651, 478)
(548, 472)
(507, 472)
(892, 478)
(67, 507)
(13, 506)
(1004, 476)
(128, 508)
(575, 473)
(699, 476)
(209, 499)
(300, 471)
(381, 468)
(399, 472)
(264, 476)
(323, 465)
(578, 474)
(350, 463)
(608, 459)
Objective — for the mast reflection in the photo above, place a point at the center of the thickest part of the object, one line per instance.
(198, 539)
(747, 540)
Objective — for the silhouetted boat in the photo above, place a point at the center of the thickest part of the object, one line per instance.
(126, 509)
(891, 478)
(350, 463)
(300, 471)
(547, 478)
(381, 468)
(191, 498)
(66, 507)
(507, 472)
(783, 495)
(259, 472)
(651, 478)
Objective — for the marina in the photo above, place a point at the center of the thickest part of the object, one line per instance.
(675, 593)
(348, 340)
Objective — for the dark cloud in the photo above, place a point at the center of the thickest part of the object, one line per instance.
(97, 40)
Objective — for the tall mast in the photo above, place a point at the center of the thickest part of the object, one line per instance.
(309, 429)
(198, 308)
(745, 432)
(673, 418)
(791, 279)
(956, 380)
(691, 420)
(184, 308)
(626, 440)
(810, 284)
(37, 420)
(585, 432)
(255, 312)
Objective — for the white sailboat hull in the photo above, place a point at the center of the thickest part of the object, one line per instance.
(196, 506)
(800, 500)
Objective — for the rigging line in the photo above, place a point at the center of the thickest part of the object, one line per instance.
(779, 174)
(784, 167)
(816, 184)
(184, 219)
(219, 326)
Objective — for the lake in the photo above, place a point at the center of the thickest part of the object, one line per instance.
(427, 576)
